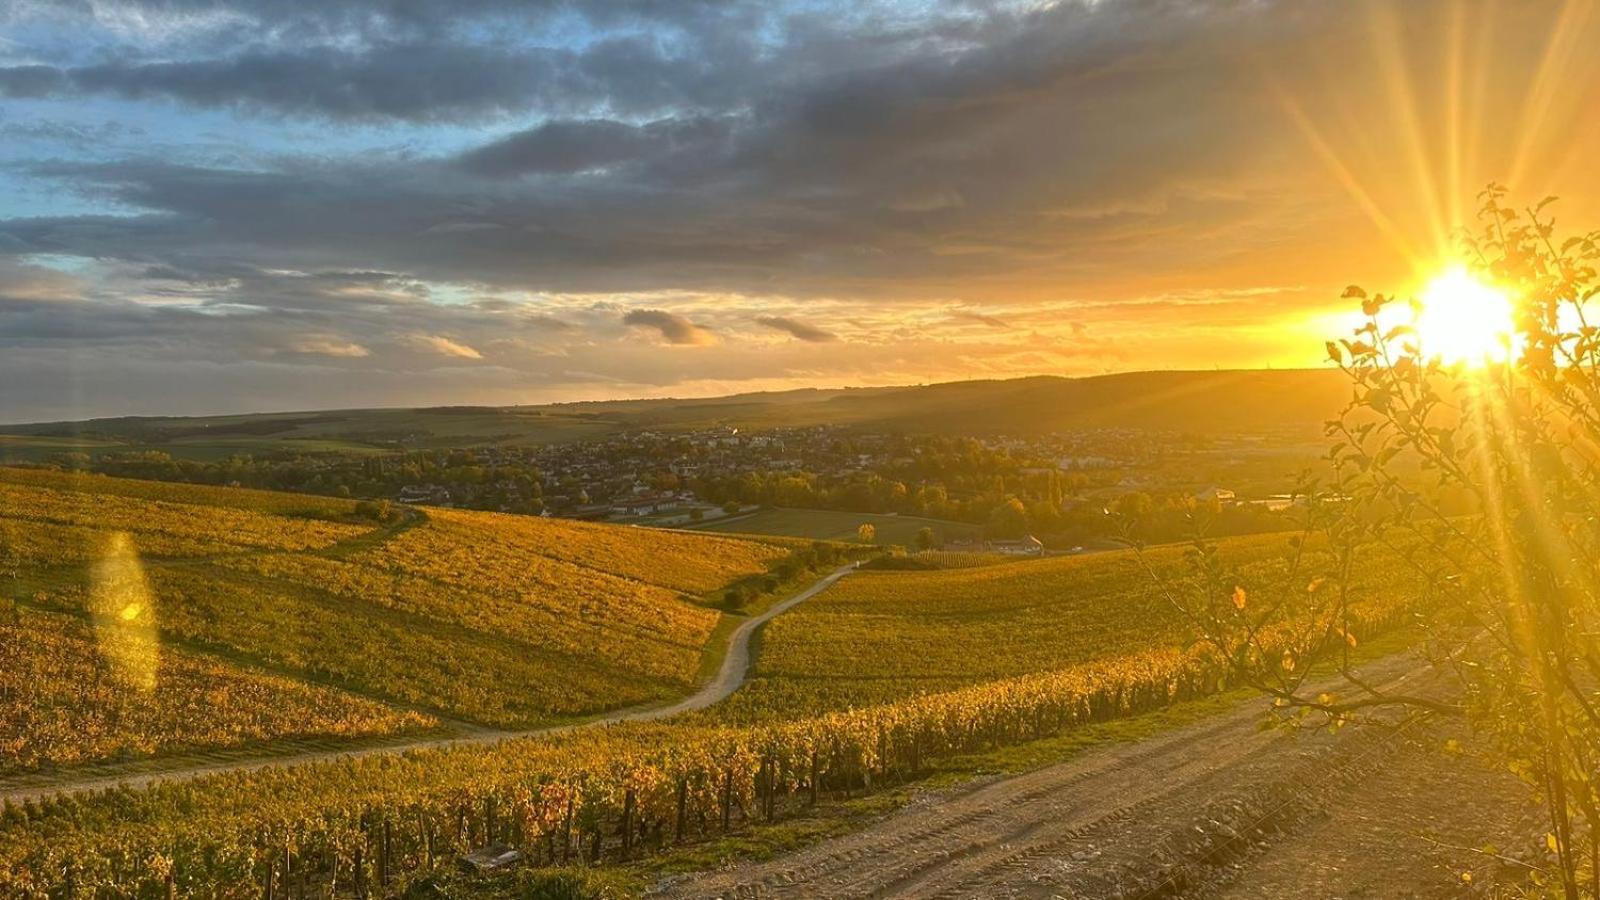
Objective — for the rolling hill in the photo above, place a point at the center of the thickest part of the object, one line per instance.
(1244, 401)
(263, 616)
(882, 636)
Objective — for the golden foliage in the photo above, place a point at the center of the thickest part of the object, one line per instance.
(63, 702)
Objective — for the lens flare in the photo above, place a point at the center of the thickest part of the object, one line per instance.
(123, 608)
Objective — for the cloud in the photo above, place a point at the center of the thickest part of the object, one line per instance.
(843, 156)
(797, 329)
(568, 146)
(674, 329)
(533, 179)
(408, 82)
(436, 74)
(324, 345)
(445, 347)
(979, 318)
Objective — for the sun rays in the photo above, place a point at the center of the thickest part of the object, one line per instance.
(1450, 116)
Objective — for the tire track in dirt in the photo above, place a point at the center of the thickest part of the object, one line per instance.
(1099, 825)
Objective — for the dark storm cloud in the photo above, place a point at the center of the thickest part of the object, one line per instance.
(673, 328)
(797, 329)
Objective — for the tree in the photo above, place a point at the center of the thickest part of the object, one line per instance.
(374, 510)
(867, 533)
(1500, 529)
(925, 538)
(1009, 520)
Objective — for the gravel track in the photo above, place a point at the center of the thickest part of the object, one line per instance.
(730, 677)
(1180, 814)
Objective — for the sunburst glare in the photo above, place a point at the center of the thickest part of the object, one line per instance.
(1462, 320)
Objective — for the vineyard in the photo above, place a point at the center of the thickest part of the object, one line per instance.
(275, 616)
(595, 795)
(939, 664)
(910, 633)
(63, 703)
(155, 634)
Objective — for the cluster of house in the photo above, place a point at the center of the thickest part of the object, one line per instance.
(424, 495)
(645, 502)
(1027, 545)
(1271, 503)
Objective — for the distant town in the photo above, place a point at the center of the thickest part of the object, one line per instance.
(1058, 486)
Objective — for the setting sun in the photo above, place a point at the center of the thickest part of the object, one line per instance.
(1463, 320)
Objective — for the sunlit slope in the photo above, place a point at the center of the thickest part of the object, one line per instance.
(501, 620)
(879, 636)
(62, 701)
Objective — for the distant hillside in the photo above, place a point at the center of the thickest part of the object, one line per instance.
(1254, 401)
(1240, 401)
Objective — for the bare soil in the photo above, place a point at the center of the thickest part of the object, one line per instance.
(1217, 809)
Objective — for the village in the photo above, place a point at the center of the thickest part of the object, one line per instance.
(686, 479)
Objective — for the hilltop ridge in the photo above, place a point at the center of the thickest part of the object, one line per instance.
(1278, 401)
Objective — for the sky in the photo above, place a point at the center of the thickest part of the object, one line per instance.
(243, 205)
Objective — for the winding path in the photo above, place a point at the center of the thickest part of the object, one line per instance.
(732, 676)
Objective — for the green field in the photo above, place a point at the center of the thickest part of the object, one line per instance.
(833, 525)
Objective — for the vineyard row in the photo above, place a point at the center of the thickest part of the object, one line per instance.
(368, 828)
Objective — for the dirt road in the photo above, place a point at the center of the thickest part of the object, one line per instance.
(730, 677)
(1187, 813)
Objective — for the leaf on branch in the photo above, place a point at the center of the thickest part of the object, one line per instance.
(1239, 597)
